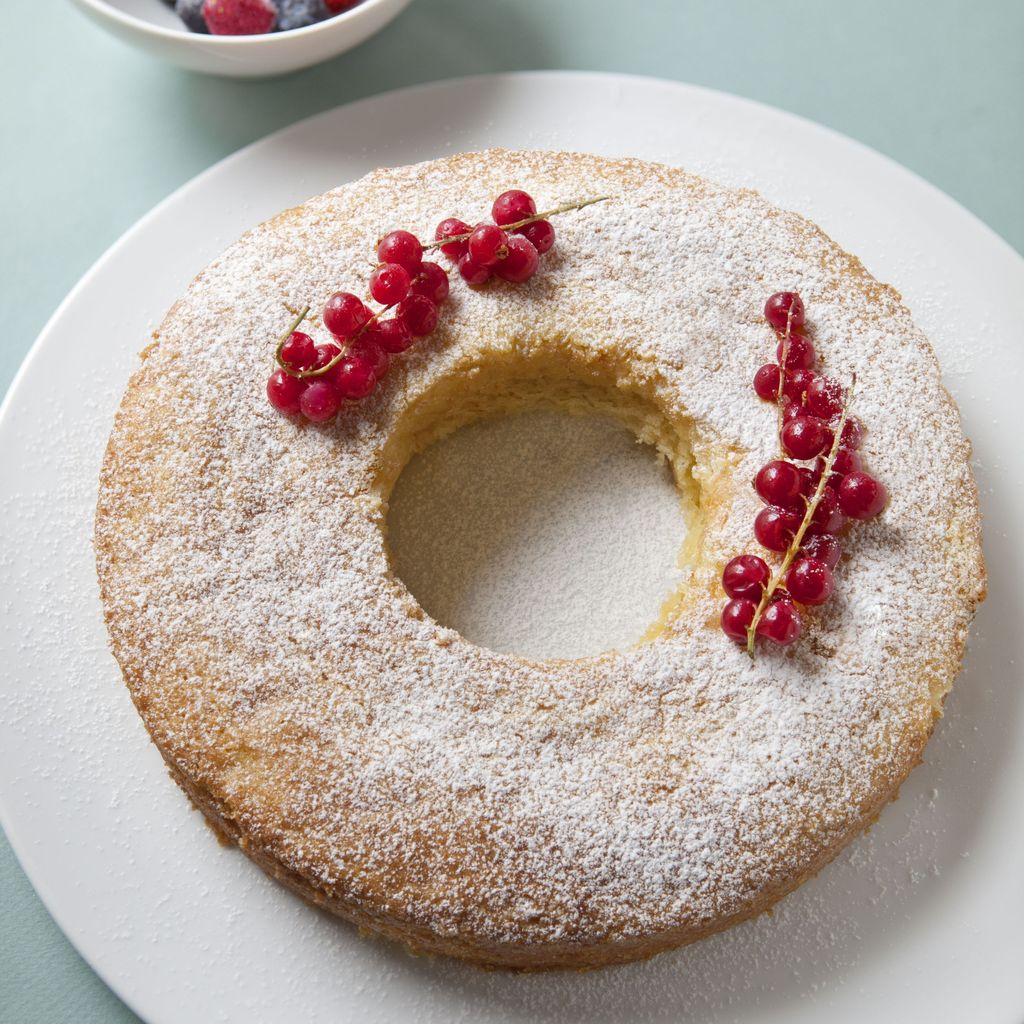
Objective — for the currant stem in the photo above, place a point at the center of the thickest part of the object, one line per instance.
(299, 317)
(798, 538)
(564, 208)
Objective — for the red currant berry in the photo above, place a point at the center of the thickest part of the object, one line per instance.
(809, 581)
(825, 397)
(487, 245)
(344, 314)
(845, 462)
(784, 308)
(520, 263)
(540, 233)
(766, 382)
(419, 314)
(780, 483)
(391, 335)
(791, 410)
(353, 378)
(746, 576)
(431, 283)
(822, 547)
(774, 527)
(512, 206)
(472, 273)
(780, 622)
(448, 227)
(324, 354)
(285, 391)
(299, 351)
(852, 435)
(389, 284)
(737, 615)
(805, 437)
(797, 383)
(799, 353)
(403, 248)
(861, 496)
(320, 401)
(828, 516)
(366, 348)
(239, 17)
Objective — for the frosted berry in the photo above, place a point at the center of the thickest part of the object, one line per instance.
(389, 283)
(774, 527)
(345, 314)
(845, 462)
(366, 348)
(766, 382)
(780, 622)
(825, 397)
(852, 435)
(805, 437)
(320, 401)
(796, 385)
(790, 410)
(861, 496)
(809, 581)
(780, 483)
(285, 391)
(239, 17)
(419, 314)
(799, 353)
(541, 233)
(472, 273)
(784, 308)
(401, 247)
(391, 335)
(737, 615)
(448, 227)
(191, 13)
(432, 283)
(520, 262)
(823, 547)
(352, 378)
(487, 245)
(512, 206)
(828, 516)
(299, 350)
(746, 576)
(299, 13)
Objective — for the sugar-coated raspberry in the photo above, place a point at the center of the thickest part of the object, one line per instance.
(799, 353)
(520, 262)
(513, 206)
(472, 273)
(391, 335)
(345, 314)
(780, 622)
(487, 245)
(299, 351)
(419, 314)
(861, 496)
(541, 233)
(784, 308)
(320, 401)
(766, 382)
(809, 581)
(737, 615)
(745, 576)
(448, 227)
(285, 392)
(823, 547)
(239, 17)
(432, 283)
(403, 248)
(389, 283)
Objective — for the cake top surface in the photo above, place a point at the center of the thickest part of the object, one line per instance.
(279, 663)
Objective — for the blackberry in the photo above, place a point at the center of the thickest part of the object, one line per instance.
(300, 13)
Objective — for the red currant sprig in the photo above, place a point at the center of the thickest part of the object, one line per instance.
(805, 506)
(316, 380)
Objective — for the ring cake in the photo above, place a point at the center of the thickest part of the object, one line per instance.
(509, 812)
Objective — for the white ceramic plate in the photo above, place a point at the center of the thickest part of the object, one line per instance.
(920, 920)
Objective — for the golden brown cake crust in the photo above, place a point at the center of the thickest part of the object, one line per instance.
(514, 813)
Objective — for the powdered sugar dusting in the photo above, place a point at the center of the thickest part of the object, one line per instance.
(476, 794)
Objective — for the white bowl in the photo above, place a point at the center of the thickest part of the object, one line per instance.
(152, 26)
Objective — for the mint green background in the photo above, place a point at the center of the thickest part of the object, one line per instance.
(94, 134)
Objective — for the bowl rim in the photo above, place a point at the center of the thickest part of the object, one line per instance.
(131, 21)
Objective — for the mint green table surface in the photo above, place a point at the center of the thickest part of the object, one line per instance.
(94, 134)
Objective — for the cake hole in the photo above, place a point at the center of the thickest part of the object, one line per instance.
(540, 533)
